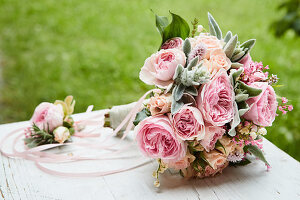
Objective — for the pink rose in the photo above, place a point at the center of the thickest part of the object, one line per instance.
(246, 61)
(215, 158)
(48, 116)
(172, 43)
(212, 134)
(216, 100)
(262, 107)
(183, 163)
(160, 67)
(218, 60)
(188, 123)
(156, 139)
(160, 104)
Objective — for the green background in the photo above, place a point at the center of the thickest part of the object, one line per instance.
(94, 49)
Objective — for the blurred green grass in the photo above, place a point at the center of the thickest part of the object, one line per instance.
(94, 49)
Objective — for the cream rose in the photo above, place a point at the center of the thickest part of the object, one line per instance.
(61, 134)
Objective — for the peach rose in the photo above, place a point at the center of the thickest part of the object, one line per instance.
(212, 172)
(228, 145)
(218, 60)
(211, 43)
(215, 158)
(160, 104)
(160, 67)
(183, 163)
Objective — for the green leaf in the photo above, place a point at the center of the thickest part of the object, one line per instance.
(178, 92)
(193, 63)
(187, 47)
(230, 46)
(248, 44)
(192, 90)
(234, 75)
(236, 65)
(256, 152)
(201, 154)
(253, 92)
(241, 97)
(227, 36)
(219, 144)
(235, 121)
(176, 106)
(161, 23)
(244, 162)
(177, 28)
(214, 27)
(140, 116)
(178, 71)
(238, 56)
(243, 108)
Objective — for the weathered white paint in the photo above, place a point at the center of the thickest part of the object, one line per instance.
(20, 179)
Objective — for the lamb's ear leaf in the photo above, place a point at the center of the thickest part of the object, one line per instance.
(253, 92)
(161, 23)
(192, 90)
(227, 36)
(241, 97)
(230, 46)
(214, 27)
(176, 106)
(187, 47)
(248, 44)
(178, 92)
(243, 108)
(177, 28)
(193, 63)
(235, 121)
(178, 71)
(254, 150)
(140, 116)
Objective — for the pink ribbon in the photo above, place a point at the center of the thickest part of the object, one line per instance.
(38, 155)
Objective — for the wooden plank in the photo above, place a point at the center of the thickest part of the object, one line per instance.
(20, 179)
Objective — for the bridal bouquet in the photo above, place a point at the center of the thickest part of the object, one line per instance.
(213, 104)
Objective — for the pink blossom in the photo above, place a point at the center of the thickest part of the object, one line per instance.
(156, 139)
(160, 67)
(173, 43)
(48, 116)
(188, 123)
(262, 107)
(290, 107)
(212, 134)
(284, 100)
(216, 100)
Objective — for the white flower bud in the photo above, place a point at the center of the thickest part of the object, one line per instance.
(200, 28)
(262, 131)
(253, 135)
(61, 134)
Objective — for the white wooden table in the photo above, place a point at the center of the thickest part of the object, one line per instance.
(20, 179)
